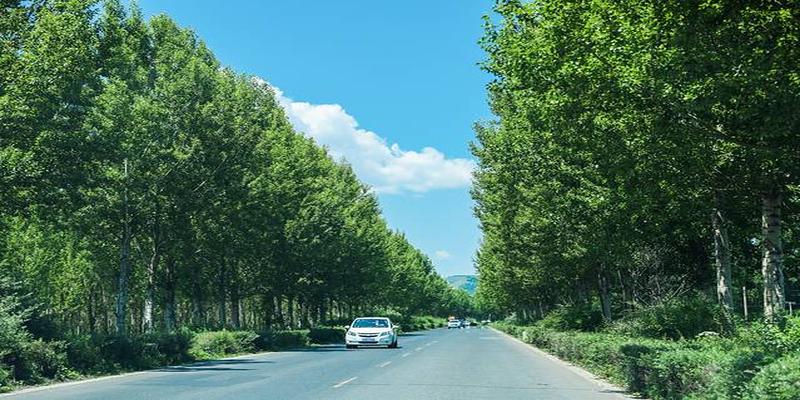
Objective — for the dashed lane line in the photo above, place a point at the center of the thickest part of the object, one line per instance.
(342, 383)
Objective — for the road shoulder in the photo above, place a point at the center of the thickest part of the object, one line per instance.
(569, 366)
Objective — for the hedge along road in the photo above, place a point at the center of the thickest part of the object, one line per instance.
(472, 363)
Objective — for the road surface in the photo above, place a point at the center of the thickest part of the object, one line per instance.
(473, 363)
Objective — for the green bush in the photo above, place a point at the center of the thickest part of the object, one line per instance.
(221, 343)
(736, 370)
(174, 347)
(326, 335)
(569, 318)
(276, 340)
(674, 319)
(779, 380)
(5, 379)
(40, 361)
(85, 354)
(678, 373)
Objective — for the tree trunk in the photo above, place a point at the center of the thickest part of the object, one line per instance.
(221, 295)
(722, 256)
(290, 311)
(605, 298)
(198, 306)
(124, 277)
(772, 262)
(149, 298)
(169, 295)
(235, 308)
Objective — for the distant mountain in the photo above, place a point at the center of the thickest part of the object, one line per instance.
(467, 283)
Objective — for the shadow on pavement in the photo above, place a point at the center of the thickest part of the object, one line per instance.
(215, 365)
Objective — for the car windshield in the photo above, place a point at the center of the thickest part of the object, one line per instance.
(371, 323)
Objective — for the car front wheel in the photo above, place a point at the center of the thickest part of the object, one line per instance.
(350, 346)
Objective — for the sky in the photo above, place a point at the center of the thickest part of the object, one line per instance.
(393, 88)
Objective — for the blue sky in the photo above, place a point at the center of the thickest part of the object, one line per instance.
(392, 87)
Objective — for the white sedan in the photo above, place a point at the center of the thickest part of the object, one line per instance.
(371, 331)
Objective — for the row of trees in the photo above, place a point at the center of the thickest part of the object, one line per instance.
(642, 149)
(145, 186)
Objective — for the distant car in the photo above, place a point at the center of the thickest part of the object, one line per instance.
(453, 323)
(371, 331)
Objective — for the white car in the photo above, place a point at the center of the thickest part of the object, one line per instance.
(371, 331)
(453, 323)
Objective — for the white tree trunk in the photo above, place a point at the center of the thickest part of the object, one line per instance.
(121, 310)
(722, 256)
(169, 295)
(772, 262)
(149, 298)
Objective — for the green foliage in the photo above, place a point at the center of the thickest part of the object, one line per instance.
(685, 317)
(277, 340)
(779, 380)
(579, 317)
(215, 344)
(678, 373)
(40, 361)
(326, 334)
(705, 368)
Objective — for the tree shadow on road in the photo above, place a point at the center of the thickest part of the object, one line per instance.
(215, 365)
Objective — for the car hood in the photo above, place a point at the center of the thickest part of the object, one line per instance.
(370, 330)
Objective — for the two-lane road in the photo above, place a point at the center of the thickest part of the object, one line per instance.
(440, 364)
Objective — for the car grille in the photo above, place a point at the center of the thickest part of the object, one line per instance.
(368, 335)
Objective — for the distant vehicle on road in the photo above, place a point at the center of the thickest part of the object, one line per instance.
(371, 331)
(453, 323)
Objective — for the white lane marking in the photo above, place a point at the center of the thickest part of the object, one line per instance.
(406, 355)
(427, 344)
(384, 364)
(340, 384)
(418, 349)
(435, 341)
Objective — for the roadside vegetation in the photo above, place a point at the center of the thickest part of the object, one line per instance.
(157, 207)
(638, 191)
(664, 355)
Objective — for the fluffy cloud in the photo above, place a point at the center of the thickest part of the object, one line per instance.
(385, 167)
(441, 255)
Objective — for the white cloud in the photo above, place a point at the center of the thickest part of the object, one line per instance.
(441, 255)
(387, 168)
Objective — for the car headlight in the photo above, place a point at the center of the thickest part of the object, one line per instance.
(384, 334)
(351, 333)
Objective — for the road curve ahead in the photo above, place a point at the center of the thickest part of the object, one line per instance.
(472, 363)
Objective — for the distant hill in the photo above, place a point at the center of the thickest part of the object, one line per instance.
(467, 283)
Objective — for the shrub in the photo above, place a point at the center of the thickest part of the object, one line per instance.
(174, 347)
(674, 319)
(221, 343)
(678, 373)
(326, 335)
(779, 380)
(637, 361)
(736, 370)
(85, 354)
(569, 318)
(275, 340)
(5, 379)
(40, 360)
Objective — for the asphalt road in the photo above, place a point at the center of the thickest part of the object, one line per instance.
(471, 363)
